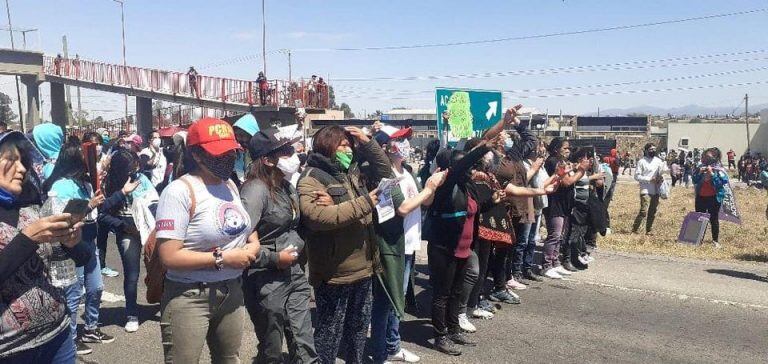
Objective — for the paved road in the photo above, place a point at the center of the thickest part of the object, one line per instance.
(624, 309)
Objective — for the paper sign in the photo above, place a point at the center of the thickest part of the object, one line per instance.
(385, 208)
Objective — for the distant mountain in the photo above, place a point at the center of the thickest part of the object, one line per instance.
(690, 110)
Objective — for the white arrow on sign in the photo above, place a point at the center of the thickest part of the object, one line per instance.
(491, 110)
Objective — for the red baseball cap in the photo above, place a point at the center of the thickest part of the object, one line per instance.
(402, 133)
(214, 135)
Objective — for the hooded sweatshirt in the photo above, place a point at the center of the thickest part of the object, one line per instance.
(48, 137)
(249, 125)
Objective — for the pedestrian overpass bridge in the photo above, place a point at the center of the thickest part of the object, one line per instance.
(146, 84)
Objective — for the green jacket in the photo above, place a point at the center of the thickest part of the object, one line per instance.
(391, 243)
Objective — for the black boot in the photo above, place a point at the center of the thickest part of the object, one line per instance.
(569, 267)
(528, 274)
(444, 345)
(461, 339)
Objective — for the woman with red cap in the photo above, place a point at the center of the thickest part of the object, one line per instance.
(205, 241)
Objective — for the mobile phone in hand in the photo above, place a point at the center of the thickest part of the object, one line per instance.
(78, 209)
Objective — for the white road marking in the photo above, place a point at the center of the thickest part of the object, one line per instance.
(670, 294)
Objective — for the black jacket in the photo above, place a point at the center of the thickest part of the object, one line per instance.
(445, 218)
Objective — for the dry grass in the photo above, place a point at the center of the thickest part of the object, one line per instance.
(748, 242)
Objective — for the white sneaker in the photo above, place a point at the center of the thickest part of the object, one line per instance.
(403, 356)
(465, 324)
(482, 314)
(590, 259)
(132, 325)
(513, 284)
(553, 274)
(562, 271)
(607, 231)
(717, 245)
(583, 260)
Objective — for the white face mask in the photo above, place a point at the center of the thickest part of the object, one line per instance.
(289, 166)
(156, 142)
(488, 157)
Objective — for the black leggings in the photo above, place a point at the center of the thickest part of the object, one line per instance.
(712, 207)
(447, 276)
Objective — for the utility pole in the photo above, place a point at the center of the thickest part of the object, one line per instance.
(125, 64)
(289, 67)
(79, 105)
(18, 91)
(746, 119)
(67, 94)
(263, 37)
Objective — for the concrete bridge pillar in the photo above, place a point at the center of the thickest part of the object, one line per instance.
(143, 116)
(33, 102)
(59, 114)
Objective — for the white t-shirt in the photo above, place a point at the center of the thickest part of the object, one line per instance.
(220, 221)
(158, 173)
(412, 221)
(647, 170)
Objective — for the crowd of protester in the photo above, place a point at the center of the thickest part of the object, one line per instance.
(236, 220)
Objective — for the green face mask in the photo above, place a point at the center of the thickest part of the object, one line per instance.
(344, 158)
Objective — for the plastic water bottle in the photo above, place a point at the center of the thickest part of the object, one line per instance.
(62, 268)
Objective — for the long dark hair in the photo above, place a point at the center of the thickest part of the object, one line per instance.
(122, 164)
(70, 164)
(271, 176)
(30, 193)
(555, 145)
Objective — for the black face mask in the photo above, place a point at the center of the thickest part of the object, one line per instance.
(651, 153)
(220, 166)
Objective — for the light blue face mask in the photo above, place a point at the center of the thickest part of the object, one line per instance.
(508, 144)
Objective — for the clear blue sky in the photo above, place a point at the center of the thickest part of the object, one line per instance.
(177, 34)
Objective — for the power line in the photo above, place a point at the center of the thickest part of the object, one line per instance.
(596, 93)
(566, 88)
(251, 57)
(629, 65)
(540, 36)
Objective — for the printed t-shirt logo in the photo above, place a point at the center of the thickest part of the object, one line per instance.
(164, 225)
(230, 219)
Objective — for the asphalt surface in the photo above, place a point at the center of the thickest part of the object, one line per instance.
(624, 309)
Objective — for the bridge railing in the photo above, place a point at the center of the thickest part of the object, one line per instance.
(278, 93)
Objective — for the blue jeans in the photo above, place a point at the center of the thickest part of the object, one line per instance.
(410, 260)
(60, 350)
(385, 326)
(522, 255)
(528, 257)
(129, 247)
(89, 276)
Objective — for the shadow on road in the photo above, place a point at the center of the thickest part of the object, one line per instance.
(737, 274)
(109, 316)
(763, 258)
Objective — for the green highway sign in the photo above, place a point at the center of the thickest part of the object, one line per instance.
(469, 111)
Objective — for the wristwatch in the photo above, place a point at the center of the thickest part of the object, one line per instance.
(218, 259)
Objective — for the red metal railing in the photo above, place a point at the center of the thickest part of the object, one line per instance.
(277, 93)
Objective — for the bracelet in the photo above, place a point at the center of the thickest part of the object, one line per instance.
(218, 259)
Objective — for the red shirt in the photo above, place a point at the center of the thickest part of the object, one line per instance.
(467, 234)
(707, 189)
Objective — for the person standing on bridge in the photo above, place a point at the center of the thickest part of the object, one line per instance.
(263, 88)
(192, 76)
